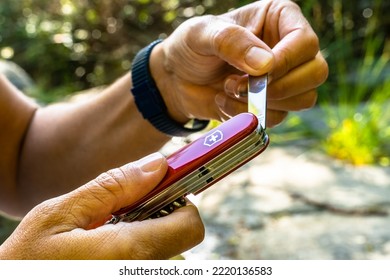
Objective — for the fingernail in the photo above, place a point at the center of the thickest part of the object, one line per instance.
(220, 99)
(230, 86)
(258, 58)
(151, 162)
(242, 90)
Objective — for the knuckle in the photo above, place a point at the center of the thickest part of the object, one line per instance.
(150, 246)
(113, 182)
(322, 72)
(313, 43)
(275, 117)
(310, 100)
(117, 177)
(223, 37)
(278, 90)
(106, 181)
(144, 250)
(199, 231)
(194, 225)
(286, 61)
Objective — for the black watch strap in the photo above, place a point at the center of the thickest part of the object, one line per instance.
(149, 101)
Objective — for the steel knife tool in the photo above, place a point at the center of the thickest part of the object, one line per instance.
(200, 164)
(257, 97)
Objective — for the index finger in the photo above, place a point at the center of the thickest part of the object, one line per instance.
(281, 25)
(160, 238)
(296, 42)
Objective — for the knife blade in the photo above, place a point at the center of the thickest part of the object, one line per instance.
(257, 97)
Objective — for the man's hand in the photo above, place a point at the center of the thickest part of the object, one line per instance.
(72, 226)
(202, 67)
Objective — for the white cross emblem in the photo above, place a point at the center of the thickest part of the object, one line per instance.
(213, 138)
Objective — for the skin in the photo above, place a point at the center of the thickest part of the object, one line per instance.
(49, 151)
(264, 37)
(70, 226)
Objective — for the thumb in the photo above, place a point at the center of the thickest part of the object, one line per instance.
(92, 203)
(233, 43)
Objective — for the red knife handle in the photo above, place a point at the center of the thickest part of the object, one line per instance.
(201, 151)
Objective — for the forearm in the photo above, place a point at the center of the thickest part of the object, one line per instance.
(69, 144)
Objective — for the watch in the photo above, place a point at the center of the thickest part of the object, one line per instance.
(149, 100)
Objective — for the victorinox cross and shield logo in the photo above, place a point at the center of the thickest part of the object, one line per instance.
(213, 138)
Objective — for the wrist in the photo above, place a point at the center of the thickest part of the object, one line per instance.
(162, 78)
(149, 100)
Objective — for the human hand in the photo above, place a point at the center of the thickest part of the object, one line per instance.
(72, 226)
(202, 67)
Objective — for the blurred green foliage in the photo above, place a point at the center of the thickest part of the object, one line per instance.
(68, 45)
(351, 32)
(7, 226)
(356, 98)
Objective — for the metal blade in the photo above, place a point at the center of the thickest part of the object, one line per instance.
(257, 97)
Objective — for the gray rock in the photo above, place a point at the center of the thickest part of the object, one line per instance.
(290, 203)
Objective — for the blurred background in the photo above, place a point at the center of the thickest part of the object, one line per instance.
(55, 48)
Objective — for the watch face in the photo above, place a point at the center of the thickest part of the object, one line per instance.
(202, 163)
